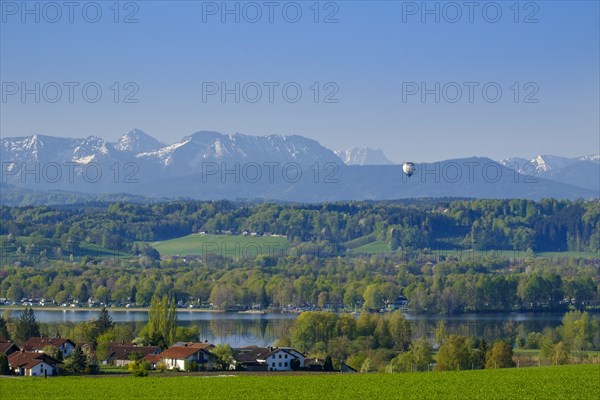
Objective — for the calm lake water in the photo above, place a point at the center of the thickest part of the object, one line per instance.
(263, 329)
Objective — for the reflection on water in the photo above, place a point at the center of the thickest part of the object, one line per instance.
(488, 326)
(216, 327)
(263, 329)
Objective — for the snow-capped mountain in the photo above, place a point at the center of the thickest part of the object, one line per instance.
(363, 156)
(44, 149)
(205, 146)
(581, 171)
(211, 165)
(138, 154)
(137, 141)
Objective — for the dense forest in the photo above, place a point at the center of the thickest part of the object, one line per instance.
(374, 282)
(41, 242)
(548, 225)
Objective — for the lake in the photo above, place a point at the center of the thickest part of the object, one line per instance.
(263, 329)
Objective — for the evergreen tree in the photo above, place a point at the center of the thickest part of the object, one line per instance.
(4, 335)
(26, 326)
(4, 367)
(77, 362)
(328, 364)
(104, 322)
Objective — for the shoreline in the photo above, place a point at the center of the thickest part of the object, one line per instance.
(109, 309)
(592, 312)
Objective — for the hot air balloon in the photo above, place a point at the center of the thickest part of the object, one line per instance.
(409, 168)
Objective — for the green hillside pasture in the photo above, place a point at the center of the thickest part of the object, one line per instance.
(563, 382)
(380, 247)
(360, 241)
(375, 247)
(48, 249)
(234, 246)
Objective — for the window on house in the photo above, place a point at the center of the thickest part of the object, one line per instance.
(280, 356)
(285, 365)
(273, 364)
(286, 356)
(280, 364)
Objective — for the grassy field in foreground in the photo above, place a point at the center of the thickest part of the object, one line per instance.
(234, 246)
(562, 382)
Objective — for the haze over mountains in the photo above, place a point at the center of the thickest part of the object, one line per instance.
(363, 156)
(210, 165)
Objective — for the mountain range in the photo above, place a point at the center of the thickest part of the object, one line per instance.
(211, 165)
(579, 171)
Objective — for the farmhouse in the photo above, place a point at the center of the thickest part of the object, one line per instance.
(7, 348)
(27, 363)
(37, 344)
(179, 357)
(267, 359)
(120, 354)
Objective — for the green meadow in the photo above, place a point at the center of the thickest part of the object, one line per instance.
(562, 382)
(234, 246)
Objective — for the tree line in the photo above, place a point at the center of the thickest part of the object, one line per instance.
(376, 282)
(520, 225)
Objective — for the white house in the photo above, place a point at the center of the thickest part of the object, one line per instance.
(32, 364)
(281, 358)
(269, 358)
(37, 344)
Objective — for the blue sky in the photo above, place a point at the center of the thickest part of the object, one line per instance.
(371, 52)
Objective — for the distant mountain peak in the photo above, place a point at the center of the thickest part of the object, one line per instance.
(363, 156)
(137, 141)
(582, 171)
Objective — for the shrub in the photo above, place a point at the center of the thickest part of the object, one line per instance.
(500, 356)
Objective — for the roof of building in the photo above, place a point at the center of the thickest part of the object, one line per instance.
(313, 361)
(247, 354)
(38, 343)
(180, 352)
(122, 352)
(28, 359)
(197, 345)
(5, 346)
(153, 358)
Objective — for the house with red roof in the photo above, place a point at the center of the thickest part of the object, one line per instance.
(37, 344)
(120, 354)
(27, 363)
(176, 357)
(7, 348)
